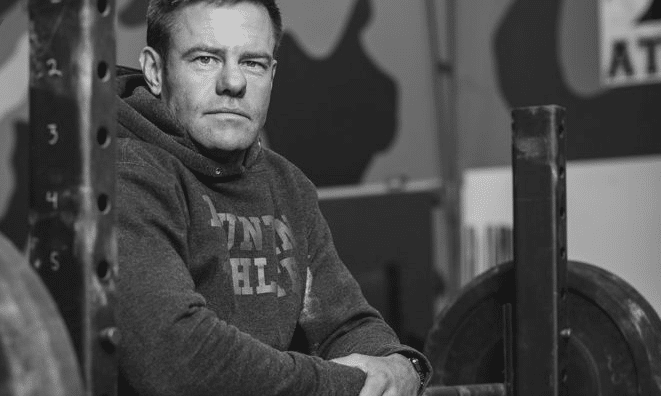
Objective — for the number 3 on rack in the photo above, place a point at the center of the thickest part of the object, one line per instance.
(54, 135)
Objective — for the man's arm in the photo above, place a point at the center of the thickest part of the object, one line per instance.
(387, 375)
(341, 325)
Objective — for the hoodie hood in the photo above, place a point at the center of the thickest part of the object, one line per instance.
(143, 116)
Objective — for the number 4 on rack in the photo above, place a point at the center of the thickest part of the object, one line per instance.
(51, 196)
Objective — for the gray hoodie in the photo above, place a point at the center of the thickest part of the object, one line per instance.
(229, 283)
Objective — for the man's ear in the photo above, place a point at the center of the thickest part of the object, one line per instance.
(152, 69)
(275, 66)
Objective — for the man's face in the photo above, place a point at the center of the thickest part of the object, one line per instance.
(219, 73)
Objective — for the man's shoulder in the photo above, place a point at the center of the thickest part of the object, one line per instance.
(135, 153)
(285, 169)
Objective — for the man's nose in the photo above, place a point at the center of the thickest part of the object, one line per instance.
(231, 81)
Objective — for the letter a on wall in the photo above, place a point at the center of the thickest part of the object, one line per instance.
(630, 33)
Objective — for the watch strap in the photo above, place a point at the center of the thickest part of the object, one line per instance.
(417, 366)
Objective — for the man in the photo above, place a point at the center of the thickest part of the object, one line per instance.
(229, 283)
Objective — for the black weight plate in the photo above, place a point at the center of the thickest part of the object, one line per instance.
(614, 347)
(36, 354)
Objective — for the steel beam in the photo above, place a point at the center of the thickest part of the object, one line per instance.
(72, 135)
(540, 250)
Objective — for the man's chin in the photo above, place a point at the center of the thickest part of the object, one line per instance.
(229, 139)
(239, 144)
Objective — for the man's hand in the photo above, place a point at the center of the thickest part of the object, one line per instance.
(391, 375)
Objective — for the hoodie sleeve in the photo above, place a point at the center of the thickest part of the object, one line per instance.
(173, 344)
(336, 318)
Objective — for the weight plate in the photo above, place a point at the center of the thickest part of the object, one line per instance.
(36, 355)
(614, 347)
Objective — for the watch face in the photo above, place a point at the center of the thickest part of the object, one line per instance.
(416, 365)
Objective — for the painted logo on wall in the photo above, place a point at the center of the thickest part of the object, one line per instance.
(630, 32)
(622, 120)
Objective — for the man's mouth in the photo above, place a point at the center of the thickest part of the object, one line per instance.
(230, 111)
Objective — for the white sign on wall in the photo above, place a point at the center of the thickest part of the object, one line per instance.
(630, 33)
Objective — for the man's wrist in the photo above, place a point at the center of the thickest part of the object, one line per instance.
(418, 368)
(420, 371)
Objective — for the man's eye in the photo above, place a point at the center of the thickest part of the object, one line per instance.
(205, 60)
(255, 65)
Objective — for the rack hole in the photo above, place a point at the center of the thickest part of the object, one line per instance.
(103, 71)
(103, 6)
(561, 172)
(563, 253)
(103, 270)
(103, 203)
(563, 213)
(103, 137)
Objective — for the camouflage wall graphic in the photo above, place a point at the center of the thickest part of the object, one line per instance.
(13, 120)
(330, 116)
(348, 107)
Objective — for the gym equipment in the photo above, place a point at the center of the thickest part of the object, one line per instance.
(614, 346)
(539, 325)
(36, 354)
(536, 326)
(72, 133)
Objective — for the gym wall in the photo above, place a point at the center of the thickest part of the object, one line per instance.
(520, 53)
(509, 53)
(357, 72)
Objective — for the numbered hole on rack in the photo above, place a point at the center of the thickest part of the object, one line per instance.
(103, 270)
(561, 172)
(103, 137)
(103, 6)
(103, 203)
(103, 71)
(563, 212)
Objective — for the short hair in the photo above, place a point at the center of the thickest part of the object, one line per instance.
(160, 20)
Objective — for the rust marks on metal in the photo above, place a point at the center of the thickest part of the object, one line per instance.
(534, 148)
(637, 314)
(534, 132)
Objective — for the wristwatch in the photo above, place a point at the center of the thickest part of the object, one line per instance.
(418, 369)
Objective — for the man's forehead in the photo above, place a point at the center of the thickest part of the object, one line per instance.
(237, 25)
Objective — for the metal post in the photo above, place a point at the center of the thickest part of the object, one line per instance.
(540, 254)
(443, 52)
(72, 134)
